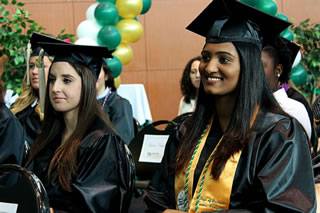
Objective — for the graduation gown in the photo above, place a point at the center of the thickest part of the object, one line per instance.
(273, 174)
(12, 137)
(101, 183)
(119, 111)
(31, 122)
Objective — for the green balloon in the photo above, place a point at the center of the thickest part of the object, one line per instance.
(287, 34)
(268, 6)
(299, 75)
(146, 6)
(111, 1)
(282, 16)
(252, 3)
(109, 36)
(106, 14)
(115, 65)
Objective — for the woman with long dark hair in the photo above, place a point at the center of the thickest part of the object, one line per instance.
(189, 85)
(78, 156)
(239, 151)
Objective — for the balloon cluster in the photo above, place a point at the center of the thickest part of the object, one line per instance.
(298, 72)
(113, 24)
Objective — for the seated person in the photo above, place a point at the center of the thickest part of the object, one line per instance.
(118, 109)
(189, 85)
(277, 62)
(12, 136)
(78, 157)
(27, 106)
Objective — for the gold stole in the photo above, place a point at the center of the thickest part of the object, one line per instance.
(210, 194)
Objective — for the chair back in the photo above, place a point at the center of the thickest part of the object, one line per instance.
(20, 186)
(145, 169)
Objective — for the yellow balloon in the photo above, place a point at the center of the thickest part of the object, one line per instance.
(130, 30)
(117, 82)
(129, 8)
(124, 53)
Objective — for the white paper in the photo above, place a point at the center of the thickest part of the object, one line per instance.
(8, 207)
(153, 148)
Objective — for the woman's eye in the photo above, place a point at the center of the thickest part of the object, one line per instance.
(31, 66)
(205, 58)
(67, 81)
(51, 79)
(224, 60)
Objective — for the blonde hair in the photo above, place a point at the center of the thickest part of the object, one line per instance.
(27, 97)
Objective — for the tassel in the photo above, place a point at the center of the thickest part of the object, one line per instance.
(28, 62)
(42, 81)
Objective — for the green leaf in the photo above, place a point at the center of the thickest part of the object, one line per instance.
(1, 8)
(5, 13)
(13, 2)
(20, 4)
(4, 2)
(18, 11)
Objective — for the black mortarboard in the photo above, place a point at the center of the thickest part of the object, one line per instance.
(231, 20)
(294, 48)
(89, 56)
(35, 46)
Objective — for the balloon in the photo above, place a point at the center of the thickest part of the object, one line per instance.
(117, 82)
(268, 6)
(287, 34)
(106, 14)
(88, 29)
(90, 12)
(129, 8)
(297, 59)
(299, 75)
(109, 36)
(131, 30)
(115, 65)
(111, 1)
(86, 41)
(252, 3)
(124, 53)
(282, 16)
(146, 6)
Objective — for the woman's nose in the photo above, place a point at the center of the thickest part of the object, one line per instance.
(212, 66)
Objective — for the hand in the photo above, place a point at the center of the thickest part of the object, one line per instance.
(171, 211)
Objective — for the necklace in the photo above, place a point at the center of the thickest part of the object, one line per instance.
(105, 98)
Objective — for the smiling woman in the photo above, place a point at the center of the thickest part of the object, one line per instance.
(78, 156)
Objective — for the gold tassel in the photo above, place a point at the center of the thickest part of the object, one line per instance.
(42, 81)
(28, 62)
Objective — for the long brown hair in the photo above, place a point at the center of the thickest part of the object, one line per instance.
(236, 136)
(64, 159)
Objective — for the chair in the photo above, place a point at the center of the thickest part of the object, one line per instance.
(145, 170)
(20, 186)
(130, 179)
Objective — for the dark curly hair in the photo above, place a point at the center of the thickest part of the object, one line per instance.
(278, 49)
(188, 90)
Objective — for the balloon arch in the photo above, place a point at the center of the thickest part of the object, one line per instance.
(113, 24)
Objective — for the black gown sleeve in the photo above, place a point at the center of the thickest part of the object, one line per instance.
(12, 138)
(121, 117)
(101, 182)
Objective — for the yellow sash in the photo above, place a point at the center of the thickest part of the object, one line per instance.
(210, 194)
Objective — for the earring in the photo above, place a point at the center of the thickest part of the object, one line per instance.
(278, 75)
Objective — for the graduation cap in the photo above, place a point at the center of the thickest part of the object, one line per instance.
(294, 48)
(89, 56)
(231, 20)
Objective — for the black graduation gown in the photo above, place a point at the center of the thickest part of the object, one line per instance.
(12, 137)
(31, 122)
(101, 182)
(274, 171)
(119, 111)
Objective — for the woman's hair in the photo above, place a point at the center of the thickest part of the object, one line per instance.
(64, 159)
(27, 97)
(188, 90)
(278, 49)
(110, 82)
(2, 103)
(252, 90)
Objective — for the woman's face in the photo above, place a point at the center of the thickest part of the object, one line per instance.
(270, 70)
(194, 74)
(64, 87)
(219, 68)
(33, 71)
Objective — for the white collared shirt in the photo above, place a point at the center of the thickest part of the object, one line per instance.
(294, 108)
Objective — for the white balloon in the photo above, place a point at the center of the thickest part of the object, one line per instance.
(297, 59)
(88, 29)
(86, 41)
(90, 12)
